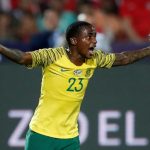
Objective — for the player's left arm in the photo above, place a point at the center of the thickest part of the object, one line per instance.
(129, 57)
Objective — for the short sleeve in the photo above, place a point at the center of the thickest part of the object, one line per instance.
(104, 60)
(44, 57)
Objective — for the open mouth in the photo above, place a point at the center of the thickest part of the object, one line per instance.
(91, 49)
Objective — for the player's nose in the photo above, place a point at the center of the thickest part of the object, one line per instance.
(94, 41)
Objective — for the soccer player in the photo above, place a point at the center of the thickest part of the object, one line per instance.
(66, 73)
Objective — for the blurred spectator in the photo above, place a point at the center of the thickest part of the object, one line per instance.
(115, 20)
(137, 14)
(86, 13)
(66, 19)
(50, 36)
(5, 26)
(26, 27)
(110, 22)
(67, 13)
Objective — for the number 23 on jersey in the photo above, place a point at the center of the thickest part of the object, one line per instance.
(75, 85)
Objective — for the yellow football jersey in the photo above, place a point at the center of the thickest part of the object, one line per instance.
(62, 90)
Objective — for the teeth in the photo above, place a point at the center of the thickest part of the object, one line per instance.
(91, 52)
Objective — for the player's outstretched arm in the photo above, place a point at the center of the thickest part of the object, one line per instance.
(129, 57)
(16, 55)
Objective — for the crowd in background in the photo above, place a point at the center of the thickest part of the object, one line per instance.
(42, 23)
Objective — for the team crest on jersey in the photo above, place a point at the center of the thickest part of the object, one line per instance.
(88, 72)
(77, 72)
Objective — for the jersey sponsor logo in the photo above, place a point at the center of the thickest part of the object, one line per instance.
(77, 72)
(64, 70)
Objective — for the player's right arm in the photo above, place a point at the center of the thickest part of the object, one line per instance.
(17, 56)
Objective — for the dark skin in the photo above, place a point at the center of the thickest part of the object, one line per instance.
(81, 48)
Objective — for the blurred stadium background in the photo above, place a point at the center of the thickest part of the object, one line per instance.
(115, 111)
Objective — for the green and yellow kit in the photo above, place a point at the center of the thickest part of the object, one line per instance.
(62, 90)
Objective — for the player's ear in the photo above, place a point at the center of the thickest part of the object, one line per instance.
(73, 41)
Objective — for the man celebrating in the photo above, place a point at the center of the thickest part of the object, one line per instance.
(66, 73)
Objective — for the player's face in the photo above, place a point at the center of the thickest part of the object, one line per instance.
(86, 42)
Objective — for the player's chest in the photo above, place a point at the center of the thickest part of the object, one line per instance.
(70, 72)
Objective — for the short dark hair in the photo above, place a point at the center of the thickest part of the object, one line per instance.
(75, 29)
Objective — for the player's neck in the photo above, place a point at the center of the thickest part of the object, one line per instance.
(75, 58)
